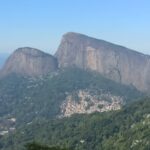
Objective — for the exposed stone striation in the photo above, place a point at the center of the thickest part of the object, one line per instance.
(85, 102)
(30, 62)
(113, 61)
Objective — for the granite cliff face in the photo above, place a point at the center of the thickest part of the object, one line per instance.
(30, 62)
(113, 61)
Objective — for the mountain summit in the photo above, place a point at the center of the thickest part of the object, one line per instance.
(30, 62)
(113, 61)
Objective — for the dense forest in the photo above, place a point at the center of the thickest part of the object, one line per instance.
(128, 128)
(36, 146)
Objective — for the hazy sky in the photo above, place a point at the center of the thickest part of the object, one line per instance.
(41, 23)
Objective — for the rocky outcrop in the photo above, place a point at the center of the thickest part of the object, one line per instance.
(113, 61)
(85, 102)
(29, 62)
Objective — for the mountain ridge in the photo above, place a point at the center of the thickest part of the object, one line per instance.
(97, 39)
(115, 62)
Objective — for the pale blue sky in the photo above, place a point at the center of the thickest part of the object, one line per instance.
(41, 23)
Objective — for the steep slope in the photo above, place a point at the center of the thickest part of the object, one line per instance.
(30, 62)
(115, 62)
(28, 98)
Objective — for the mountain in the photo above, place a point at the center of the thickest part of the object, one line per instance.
(113, 61)
(81, 98)
(30, 62)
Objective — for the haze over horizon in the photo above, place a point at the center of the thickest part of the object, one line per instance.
(41, 24)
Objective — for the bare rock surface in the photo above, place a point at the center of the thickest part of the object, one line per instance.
(85, 102)
(113, 61)
(30, 62)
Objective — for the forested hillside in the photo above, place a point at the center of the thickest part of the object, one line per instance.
(128, 128)
(35, 104)
(27, 98)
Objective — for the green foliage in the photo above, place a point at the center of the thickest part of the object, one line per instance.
(128, 128)
(35, 103)
(36, 146)
(30, 98)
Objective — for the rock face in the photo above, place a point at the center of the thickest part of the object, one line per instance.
(113, 61)
(30, 62)
(84, 102)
